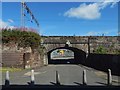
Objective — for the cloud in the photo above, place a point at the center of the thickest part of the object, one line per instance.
(84, 11)
(89, 11)
(106, 3)
(5, 24)
(10, 20)
(93, 33)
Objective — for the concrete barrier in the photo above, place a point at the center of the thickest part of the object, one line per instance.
(7, 79)
(32, 78)
(109, 80)
(57, 78)
(84, 78)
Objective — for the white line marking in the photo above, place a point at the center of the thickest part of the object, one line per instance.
(35, 73)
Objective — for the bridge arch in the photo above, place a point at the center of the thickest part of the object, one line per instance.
(78, 56)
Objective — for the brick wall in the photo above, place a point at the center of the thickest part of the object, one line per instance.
(12, 59)
(22, 60)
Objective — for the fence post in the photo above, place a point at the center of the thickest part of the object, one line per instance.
(84, 78)
(109, 80)
(57, 78)
(7, 79)
(32, 78)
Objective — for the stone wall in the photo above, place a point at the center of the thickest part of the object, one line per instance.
(12, 59)
(32, 60)
(22, 60)
(14, 56)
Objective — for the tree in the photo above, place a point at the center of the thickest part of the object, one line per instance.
(101, 50)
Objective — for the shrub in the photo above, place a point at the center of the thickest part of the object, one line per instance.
(24, 38)
(101, 50)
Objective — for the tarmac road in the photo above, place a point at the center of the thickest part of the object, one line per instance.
(69, 75)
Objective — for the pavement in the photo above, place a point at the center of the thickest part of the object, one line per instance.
(69, 75)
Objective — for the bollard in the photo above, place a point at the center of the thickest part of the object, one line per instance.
(57, 78)
(32, 78)
(109, 80)
(84, 78)
(7, 79)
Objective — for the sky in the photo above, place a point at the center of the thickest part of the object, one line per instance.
(65, 18)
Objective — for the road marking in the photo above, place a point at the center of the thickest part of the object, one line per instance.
(35, 73)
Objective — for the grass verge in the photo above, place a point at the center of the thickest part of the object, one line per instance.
(4, 69)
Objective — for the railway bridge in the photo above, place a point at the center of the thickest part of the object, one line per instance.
(72, 49)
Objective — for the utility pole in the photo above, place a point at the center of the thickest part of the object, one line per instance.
(22, 14)
(23, 8)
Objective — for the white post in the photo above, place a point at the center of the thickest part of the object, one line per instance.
(32, 77)
(109, 77)
(84, 78)
(57, 78)
(7, 78)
